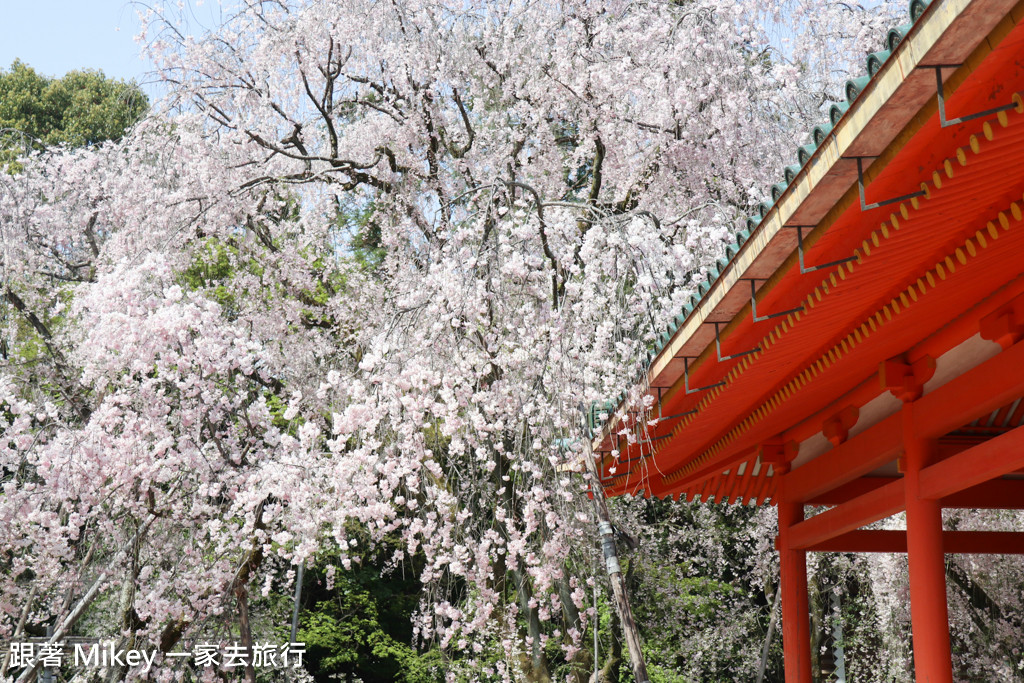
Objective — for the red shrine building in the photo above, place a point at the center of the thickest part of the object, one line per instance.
(860, 349)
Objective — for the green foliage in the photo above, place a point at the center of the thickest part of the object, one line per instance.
(361, 627)
(210, 271)
(366, 245)
(366, 241)
(81, 108)
(346, 636)
(702, 612)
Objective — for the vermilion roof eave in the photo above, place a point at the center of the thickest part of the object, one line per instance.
(757, 248)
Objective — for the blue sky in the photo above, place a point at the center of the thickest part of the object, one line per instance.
(56, 36)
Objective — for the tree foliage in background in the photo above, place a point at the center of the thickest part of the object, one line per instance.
(83, 107)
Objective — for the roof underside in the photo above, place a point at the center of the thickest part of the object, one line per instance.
(925, 270)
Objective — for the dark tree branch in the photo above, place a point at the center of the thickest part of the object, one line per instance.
(459, 152)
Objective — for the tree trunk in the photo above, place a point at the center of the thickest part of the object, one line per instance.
(537, 669)
(18, 629)
(622, 607)
(612, 669)
(242, 595)
(126, 612)
(816, 609)
(583, 665)
(94, 591)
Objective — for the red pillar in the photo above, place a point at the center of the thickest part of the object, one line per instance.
(929, 613)
(796, 631)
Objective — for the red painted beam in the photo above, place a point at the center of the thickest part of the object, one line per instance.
(976, 393)
(983, 542)
(869, 507)
(953, 542)
(974, 467)
(994, 458)
(848, 461)
(849, 491)
(979, 391)
(998, 494)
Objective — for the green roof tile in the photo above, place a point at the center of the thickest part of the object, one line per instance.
(836, 111)
(876, 60)
(778, 189)
(854, 86)
(895, 36)
(804, 152)
(820, 132)
(917, 8)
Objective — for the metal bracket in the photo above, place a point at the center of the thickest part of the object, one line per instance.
(640, 443)
(864, 206)
(614, 464)
(946, 123)
(718, 348)
(653, 439)
(800, 252)
(753, 306)
(674, 415)
(686, 379)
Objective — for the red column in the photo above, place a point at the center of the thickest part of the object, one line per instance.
(796, 631)
(929, 613)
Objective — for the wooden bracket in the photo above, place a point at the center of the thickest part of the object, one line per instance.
(778, 454)
(1005, 325)
(906, 381)
(837, 428)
